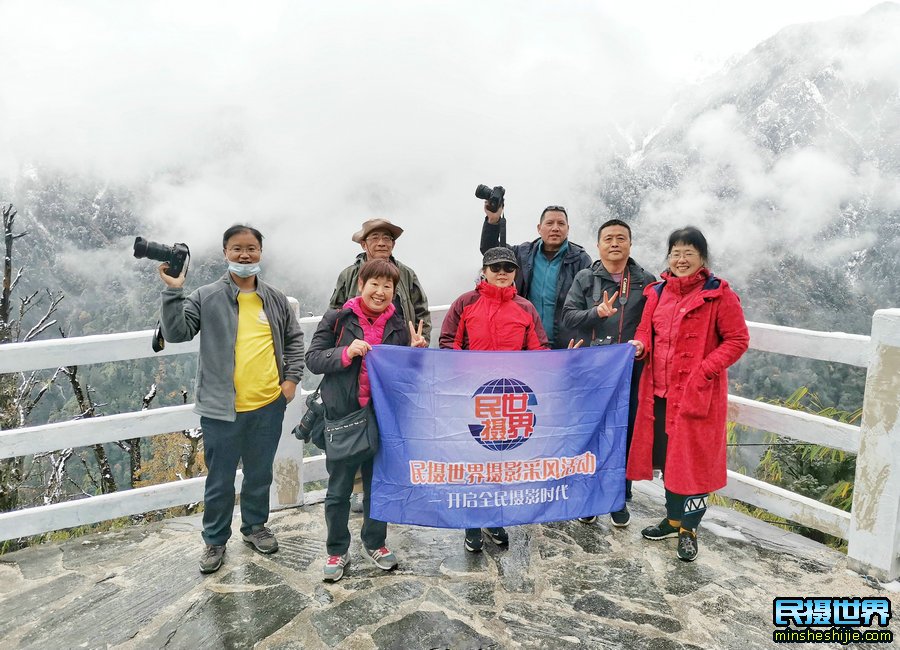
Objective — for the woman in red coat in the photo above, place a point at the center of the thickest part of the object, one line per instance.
(691, 330)
(493, 317)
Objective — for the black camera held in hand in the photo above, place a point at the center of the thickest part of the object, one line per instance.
(312, 424)
(176, 255)
(494, 196)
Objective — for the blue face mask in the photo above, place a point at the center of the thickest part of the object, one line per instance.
(243, 270)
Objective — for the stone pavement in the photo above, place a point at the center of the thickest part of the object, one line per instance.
(561, 585)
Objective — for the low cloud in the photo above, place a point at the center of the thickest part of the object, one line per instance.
(306, 119)
(755, 207)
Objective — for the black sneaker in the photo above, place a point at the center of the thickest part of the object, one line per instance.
(588, 520)
(211, 560)
(474, 541)
(687, 545)
(662, 530)
(621, 518)
(498, 536)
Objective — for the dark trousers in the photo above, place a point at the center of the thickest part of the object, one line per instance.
(337, 507)
(632, 415)
(688, 509)
(251, 439)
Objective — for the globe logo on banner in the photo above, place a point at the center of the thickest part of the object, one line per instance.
(501, 407)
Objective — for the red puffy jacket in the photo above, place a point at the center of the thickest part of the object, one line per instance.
(492, 318)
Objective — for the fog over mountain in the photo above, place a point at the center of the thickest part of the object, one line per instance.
(789, 159)
(788, 156)
(772, 125)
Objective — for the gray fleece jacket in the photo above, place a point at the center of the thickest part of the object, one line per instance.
(212, 311)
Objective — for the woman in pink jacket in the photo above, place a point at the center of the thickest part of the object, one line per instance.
(692, 329)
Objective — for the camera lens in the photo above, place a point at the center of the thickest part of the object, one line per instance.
(153, 250)
(483, 192)
(140, 247)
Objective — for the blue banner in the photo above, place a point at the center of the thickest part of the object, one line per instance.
(474, 439)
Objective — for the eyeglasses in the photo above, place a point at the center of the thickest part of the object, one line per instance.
(237, 250)
(506, 267)
(374, 239)
(555, 208)
(685, 255)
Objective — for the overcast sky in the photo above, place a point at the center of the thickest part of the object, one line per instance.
(307, 118)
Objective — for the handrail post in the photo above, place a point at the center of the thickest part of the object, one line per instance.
(287, 469)
(874, 540)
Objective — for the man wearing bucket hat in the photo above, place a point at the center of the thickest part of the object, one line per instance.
(547, 266)
(377, 237)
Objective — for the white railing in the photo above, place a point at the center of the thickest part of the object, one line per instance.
(872, 527)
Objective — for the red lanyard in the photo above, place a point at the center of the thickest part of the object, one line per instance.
(624, 290)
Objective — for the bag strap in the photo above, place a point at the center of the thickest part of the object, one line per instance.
(334, 330)
(597, 294)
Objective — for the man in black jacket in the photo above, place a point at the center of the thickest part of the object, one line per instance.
(547, 266)
(604, 306)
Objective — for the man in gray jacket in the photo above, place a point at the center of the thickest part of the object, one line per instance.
(251, 361)
(604, 306)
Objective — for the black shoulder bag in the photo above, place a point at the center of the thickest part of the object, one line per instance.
(353, 436)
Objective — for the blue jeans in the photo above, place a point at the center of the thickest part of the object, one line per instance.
(251, 439)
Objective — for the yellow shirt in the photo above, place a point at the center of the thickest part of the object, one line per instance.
(255, 373)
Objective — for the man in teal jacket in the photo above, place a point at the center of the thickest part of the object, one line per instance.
(547, 266)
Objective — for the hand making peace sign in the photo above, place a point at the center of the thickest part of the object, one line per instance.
(416, 340)
(605, 308)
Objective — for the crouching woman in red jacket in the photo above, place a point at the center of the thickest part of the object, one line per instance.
(493, 317)
(691, 330)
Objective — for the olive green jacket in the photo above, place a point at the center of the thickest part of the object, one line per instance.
(413, 302)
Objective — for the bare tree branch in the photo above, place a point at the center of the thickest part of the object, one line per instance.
(191, 448)
(89, 410)
(149, 397)
(53, 492)
(36, 331)
(43, 323)
(133, 446)
(26, 304)
(88, 474)
(24, 400)
(9, 217)
(12, 286)
(78, 487)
